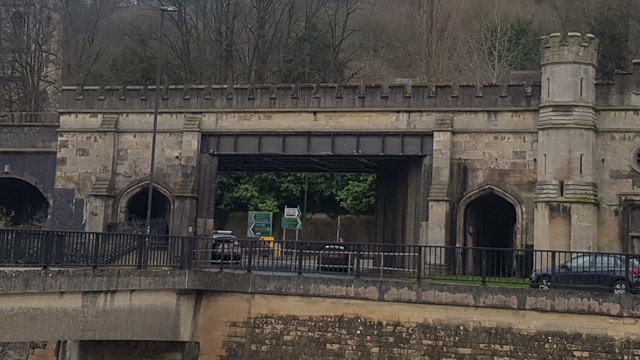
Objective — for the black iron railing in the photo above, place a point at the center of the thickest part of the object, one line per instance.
(466, 265)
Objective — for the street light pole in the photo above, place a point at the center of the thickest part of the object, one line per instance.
(164, 9)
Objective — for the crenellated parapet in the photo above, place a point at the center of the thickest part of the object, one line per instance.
(294, 97)
(570, 48)
(624, 90)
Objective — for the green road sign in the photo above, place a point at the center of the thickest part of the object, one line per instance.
(260, 223)
(291, 223)
(261, 229)
(261, 217)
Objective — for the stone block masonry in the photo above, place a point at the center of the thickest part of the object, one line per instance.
(342, 337)
(35, 350)
(261, 327)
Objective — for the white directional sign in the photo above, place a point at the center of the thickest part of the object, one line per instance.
(291, 212)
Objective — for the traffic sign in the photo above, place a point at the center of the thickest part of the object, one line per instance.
(291, 212)
(260, 223)
(260, 229)
(261, 216)
(291, 223)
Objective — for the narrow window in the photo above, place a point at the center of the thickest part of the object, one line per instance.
(581, 86)
(548, 88)
(561, 188)
(581, 157)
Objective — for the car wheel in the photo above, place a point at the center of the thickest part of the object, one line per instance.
(620, 287)
(544, 283)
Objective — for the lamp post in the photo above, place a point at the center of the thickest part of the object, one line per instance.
(164, 9)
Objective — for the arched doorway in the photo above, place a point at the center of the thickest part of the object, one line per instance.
(492, 219)
(134, 206)
(490, 222)
(22, 204)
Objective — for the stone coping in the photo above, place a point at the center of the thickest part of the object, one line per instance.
(14, 281)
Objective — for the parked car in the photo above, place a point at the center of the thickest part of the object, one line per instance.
(225, 247)
(600, 272)
(333, 257)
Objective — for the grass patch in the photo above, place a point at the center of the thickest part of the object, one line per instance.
(477, 280)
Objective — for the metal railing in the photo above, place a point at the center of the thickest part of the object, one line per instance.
(466, 265)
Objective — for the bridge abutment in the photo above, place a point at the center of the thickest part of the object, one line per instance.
(207, 191)
(400, 201)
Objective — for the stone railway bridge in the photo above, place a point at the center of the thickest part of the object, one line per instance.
(545, 164)
(122, 314)
(548, 164)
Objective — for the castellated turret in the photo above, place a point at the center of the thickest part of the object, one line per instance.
(568, 78)
(566, 191)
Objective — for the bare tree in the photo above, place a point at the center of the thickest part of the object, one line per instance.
(500, 44)
(29, 42)
(83, 30)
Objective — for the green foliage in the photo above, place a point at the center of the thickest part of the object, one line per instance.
(611, 27)
(524, 44)
(133, 67)
(5, 219)
(332, 193)
(309, 60)
(359, 196)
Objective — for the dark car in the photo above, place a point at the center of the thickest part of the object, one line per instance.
(603, 272)
(333, 257)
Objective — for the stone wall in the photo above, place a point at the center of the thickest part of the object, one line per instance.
(35, 350)
(238, 327)
(29, 150)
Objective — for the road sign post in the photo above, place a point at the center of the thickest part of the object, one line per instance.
(260, 223)
(291, 212)
(291, 223)
(291, 220)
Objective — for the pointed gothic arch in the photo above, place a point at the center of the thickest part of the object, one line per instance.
(491, 193)
(133, 202)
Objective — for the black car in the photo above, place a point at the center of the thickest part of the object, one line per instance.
(603, 272)
(333, 257)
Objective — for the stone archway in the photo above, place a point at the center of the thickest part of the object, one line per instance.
(22, 204)
(492, 219)
(132, 207)
(499, 197)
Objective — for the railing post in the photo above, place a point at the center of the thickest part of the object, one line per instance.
(222, 243)
(358, 257)
(58, 252)
(484, 266)
(47, 250)
(553, 265)
(17, 247)
(142, 239)
(189, 252)
(250, 256)
(419, 267)
(627, 275)
(96, 250)
(300, 254)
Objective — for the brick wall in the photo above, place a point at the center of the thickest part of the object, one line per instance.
(256, 327)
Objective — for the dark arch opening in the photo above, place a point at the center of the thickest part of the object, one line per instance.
(160, 210)
(490, 223)
(22, 204)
